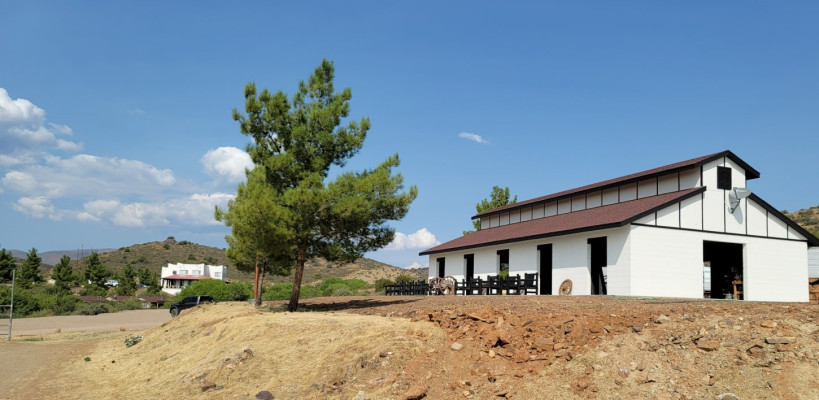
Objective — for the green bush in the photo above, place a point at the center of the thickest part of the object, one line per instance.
(404, 279)
(283, 291)
(221, 291)
(94, 308)
(328, 285)
(24, 302)
(379, 284)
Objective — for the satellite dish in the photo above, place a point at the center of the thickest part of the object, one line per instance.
(735, 195)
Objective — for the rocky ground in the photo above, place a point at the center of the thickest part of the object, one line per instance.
(604, 347)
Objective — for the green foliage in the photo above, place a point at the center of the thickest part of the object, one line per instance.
(63, 275)
(497, 198)
(221, 291)
(282, 291)
(30, 271)
(166, 246)
(127, 282)
(288, 212)
(380, 283)
(7, 265)
(191, 257)
(94, 308)
(96, 273)
(340, 287)
(144, 276)
(24, 302)
(404, 279)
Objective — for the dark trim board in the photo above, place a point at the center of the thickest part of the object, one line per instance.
(717, 232)
(812, 240)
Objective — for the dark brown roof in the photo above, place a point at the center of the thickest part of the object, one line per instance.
(609, 216)
(750, 173)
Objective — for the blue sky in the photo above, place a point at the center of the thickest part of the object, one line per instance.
(116, 129)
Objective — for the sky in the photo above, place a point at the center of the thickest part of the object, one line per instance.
(116, 128)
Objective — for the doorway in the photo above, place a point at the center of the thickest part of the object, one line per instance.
(597, 261)
(469, 273)
(545, 268)
(725, 260)
(441, 267)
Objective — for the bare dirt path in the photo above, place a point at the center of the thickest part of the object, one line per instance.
(37, 355)
(130, 320)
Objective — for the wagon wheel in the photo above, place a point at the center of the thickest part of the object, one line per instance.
(565, 288)
(448, 285)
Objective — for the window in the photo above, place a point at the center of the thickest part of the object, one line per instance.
(724, 178)
(441, 267)
(183, 272)
(218, 274)
(503, 261)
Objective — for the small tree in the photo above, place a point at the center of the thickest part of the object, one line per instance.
(144, 276)
(95, 275)
(127, 282)
(7, 264)
(498, 198)
(295, 145)
(153, 284)
(63, 275)
(30, 271)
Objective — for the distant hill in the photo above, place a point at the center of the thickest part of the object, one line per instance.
(51, 258)
(155, 255)
(807, 218)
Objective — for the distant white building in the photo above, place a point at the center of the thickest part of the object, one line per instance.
(177, 276)
(813, 262)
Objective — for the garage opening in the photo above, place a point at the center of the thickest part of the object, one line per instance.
(597, 264)
(723, 272)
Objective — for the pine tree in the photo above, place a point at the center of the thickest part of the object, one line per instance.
(95, 275)
(63, 275)
(7, 264)
(127, 282)
(497, 198)
(295, 143)
(30, 271)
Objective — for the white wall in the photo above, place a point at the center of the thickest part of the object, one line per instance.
(813, 262)
(669, 262)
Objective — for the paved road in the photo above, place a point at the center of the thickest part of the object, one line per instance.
(130, 320)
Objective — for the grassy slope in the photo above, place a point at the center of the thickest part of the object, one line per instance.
(807, 218)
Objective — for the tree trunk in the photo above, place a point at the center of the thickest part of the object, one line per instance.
(294, 297)
(259, 284)
(256, 282)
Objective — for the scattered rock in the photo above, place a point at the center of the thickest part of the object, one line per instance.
(416, 392)
(265, 395)
(779, 340)
(727, 396)
(637, 328)
(809, 328)
(361, 396)
(58, 330)
(121, 329)
(457, 346)
(662, 319)
(383, 354)
(768, 324)
(207, 385)
(707, 345)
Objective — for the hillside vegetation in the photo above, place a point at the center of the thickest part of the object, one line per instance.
(155, 255)
(807, 218)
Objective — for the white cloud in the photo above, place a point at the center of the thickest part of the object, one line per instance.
(86, 175)
(24, 133)
(194, 210)
(473, 137)
(37, 207)
(136, 111)
(416, 265)
(421, 239)
(226, 164)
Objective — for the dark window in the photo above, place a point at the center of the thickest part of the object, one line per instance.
(441, 267)
(503, 260)
(724, 178)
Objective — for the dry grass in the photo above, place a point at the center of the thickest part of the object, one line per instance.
(244, 351)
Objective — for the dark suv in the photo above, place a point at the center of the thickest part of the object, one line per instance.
(189, 302)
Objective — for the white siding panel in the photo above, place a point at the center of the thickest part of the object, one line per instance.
(775, 270)
(647, 220)
(667, 183)
(628, 192)
(757, 219)
(647, 188)
(793, 234)
(537, 211)
(735, 222)
(690, 178)
(691, 213)
(813, 262)
(526, 214)
(494, 220)
(776, 228)
(610, 196)
(578, 203)
(737, 173)
(594, 199)
(514, 217)
(564, 206)
(485, 223)
(666, 262)
(709, 173)
(714, 210)
(669, 216)
(504, 218)
(551, 209)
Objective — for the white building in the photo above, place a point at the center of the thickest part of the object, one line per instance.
(177, 276)
(688, 229)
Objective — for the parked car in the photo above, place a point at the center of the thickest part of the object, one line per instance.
(189, 302)
(112, 282)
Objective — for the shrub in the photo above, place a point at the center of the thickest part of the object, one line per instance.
(94, 308)
(379, 284)
(283, 291)
(404, 279)
(220, 290)
(352, 285)
(24, 302)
